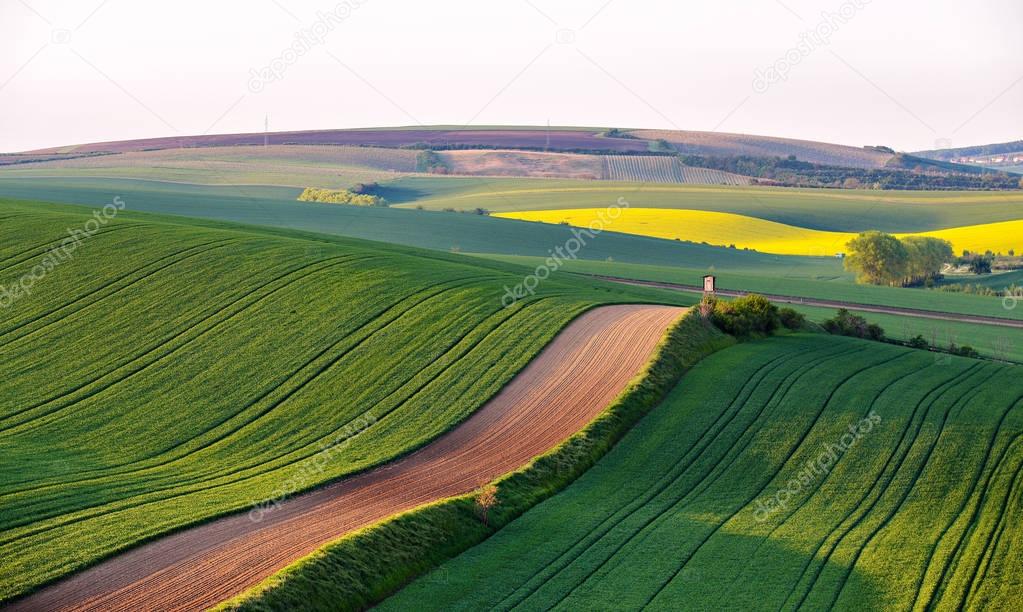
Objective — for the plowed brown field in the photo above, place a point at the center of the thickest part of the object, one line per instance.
(564, 388)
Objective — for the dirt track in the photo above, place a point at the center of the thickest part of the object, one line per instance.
(564, 388)
(788, 299)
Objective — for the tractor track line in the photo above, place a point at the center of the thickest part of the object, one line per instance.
(48, 246)
(101, 508)
(781, 466)
(189, 325)
(95, 293)
(980, 483)
(161, 344)
(670, 502)
(600, 352)
(930, 397)
(650, 492)
(817, 489)
(956, 406)
(988, 553)
(258, 466)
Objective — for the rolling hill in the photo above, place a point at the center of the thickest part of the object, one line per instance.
(296, 166)
(720, 143)
(166, 371)
(340, 166)
(600, 351)
(797, 472)
(723, 229)
(1006, 156)
(839, 210)
(444, 231)
(558, 139)
(518, 137)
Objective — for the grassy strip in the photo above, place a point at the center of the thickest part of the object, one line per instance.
(362, 568)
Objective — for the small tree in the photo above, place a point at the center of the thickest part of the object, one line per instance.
(486, 498)
(918, 342)
(707, 305)
(877, 258)
(980, 264)
(791, 319)
(925, 256)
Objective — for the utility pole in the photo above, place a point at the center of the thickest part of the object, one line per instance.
(266, 130)
(548, 145)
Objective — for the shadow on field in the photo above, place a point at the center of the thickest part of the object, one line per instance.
(731, 572)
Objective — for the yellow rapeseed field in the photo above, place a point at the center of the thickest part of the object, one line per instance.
(725, 229)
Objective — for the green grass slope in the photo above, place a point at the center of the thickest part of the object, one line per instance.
(284, 165)
(823, 209)
(171, 371)
(749, 490)
(998, 281)
(840, 210)
(276, 207)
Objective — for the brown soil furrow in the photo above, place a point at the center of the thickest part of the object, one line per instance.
(564, 388)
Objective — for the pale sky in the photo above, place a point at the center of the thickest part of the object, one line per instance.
(911, 74)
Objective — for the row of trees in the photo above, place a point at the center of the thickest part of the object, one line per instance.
(882, 259)
(909, 173)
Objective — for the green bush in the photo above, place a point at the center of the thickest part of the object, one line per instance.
(918, 342)
(963, 351)
(791, 319)
(847, 324)
(340, 196)
(750, 314)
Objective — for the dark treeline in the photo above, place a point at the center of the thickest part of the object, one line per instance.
(791, 172)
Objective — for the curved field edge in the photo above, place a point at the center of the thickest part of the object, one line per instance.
(749, 232)
(367, 565)
(52, 560)
(750, 489)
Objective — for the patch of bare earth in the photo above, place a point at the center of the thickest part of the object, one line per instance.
(572, 380)
(522, 163)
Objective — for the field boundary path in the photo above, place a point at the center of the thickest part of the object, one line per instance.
(791, 299)
(571, 381)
